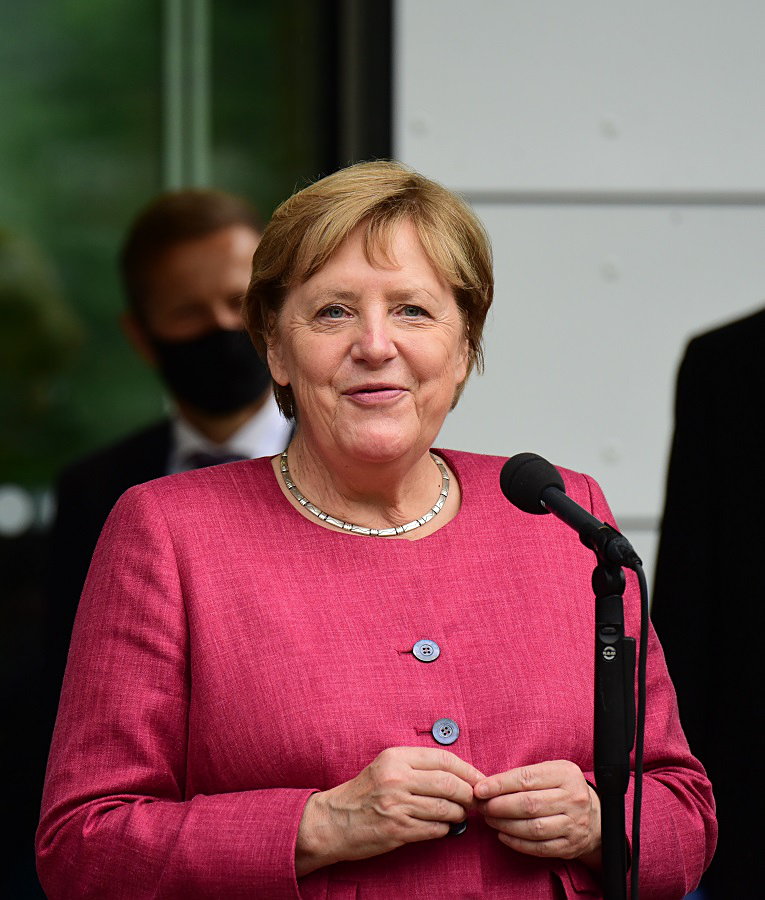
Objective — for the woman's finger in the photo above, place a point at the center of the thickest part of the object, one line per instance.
(548, 828)
(435, 759)
(443, 785)
(435, 809)
(537, 777)
(527, 805)
(558, 848)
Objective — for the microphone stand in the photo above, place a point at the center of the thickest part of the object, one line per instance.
(533, 485)
(614, 720)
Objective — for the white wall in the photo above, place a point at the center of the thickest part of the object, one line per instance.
(616, 153)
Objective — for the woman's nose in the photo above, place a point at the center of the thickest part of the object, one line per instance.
(374, 342)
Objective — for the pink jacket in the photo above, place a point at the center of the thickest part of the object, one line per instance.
(230, 657)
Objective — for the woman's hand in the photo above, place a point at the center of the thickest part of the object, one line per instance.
(406, 794)
(547, 809)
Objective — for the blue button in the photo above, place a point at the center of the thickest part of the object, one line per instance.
(445, 731)
(426, 651)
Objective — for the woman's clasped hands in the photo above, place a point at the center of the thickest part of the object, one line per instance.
(546, 809)
(409, 794)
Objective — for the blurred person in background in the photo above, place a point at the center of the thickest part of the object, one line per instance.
(707, 591)
(185, 265)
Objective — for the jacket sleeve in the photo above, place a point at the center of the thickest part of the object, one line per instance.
(678, 831)
(116, 820)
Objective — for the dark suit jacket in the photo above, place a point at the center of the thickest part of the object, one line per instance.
(85, 494)
(708, 591)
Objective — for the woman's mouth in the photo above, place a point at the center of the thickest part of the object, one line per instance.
(372, 394)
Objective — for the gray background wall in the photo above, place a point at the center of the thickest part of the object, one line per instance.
(616, 154)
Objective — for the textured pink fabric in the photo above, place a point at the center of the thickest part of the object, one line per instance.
(229, 657)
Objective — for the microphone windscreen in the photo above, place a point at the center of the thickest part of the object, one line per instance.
(524, 477)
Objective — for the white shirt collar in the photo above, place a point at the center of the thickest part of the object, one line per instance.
(265, 434)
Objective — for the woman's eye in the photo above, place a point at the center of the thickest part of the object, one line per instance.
(412, 311)
(333, 312)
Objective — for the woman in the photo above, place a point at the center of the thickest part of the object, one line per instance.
(302, 677)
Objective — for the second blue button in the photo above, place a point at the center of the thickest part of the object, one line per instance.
(426, 651)
(445, 731)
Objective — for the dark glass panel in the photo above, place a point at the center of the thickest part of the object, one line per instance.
(79, 152)
(273, 107)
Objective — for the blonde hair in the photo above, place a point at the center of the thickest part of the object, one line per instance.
(309, 227)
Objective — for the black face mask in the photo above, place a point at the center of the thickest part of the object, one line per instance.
(218, 373)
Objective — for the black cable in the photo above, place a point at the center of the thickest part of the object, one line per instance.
(639, 732)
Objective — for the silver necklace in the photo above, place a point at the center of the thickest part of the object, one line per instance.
(359, 529)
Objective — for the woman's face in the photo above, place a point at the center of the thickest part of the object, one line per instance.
(373, 352)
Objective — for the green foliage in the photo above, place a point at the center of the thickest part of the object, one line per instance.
(39, 336)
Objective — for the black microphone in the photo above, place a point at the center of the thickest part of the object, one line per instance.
(535, 486)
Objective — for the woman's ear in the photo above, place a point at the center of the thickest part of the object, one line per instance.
(275, 356)
(463, 362)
